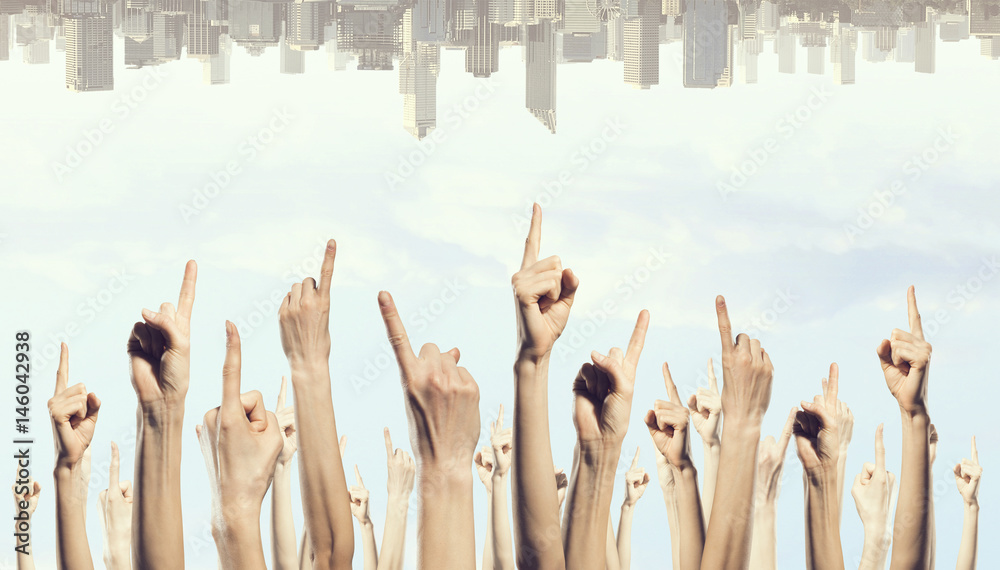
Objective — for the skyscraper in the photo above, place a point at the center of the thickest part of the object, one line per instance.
(540, 73)
(642, 46)
(4, 37)
(418, 71)
(706, 42)
(925, 47)
(89, 64)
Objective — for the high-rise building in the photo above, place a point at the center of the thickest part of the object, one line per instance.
(293, 61)
(983, 17)
(89, 64)
(578, 17)
(642, 46)
(418, 73)
(843, 54)
(482, 58)
(215, 68)
(706, 42)
(925, 47)
(304, 25)
(787, 46)
(4, 37)
(540, 73)
(816, 60)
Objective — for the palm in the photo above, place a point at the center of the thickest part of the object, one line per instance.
(484, 466)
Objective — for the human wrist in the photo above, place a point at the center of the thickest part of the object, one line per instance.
(160, 416)
(628, 509)
(917, 412)
(499, 478)
(741, 429)
(712, 445)
(532, 355)
(972, 507)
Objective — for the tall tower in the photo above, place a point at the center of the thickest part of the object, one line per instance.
(540, 72)
(642, 46)
(89, 64)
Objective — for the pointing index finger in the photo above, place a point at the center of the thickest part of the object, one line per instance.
(916, 328)
(388, 443)
(879, 449)
(231, 373)
(638, 339)
(725, 328)
(396, 332)
(62, 373)
(357, 475)
(113, 469)
(186, 299)
(975, 452)
(533, 244)
(326, 271)
(282, 394)
(713, 382)
(833, 385)
(668, 381)
(635, 460)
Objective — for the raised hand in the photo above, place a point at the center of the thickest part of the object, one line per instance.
(73, 412)
(286, 425)
(706, 409)
(402, 471)
(636, 481)
(115, 504)
(817, 430)
(771, 461)
(604, 391)
(843, 415)
(544, 293)
(484, 467)
(159, 349)
(906, 358)
(241, 441)
(359, 499)
(501, 440)
(442, 406)
(668, 426)
(304, 319)
(872, 492)
(26, 492)
(967, 475)
(30, 491)
(817, 439)
(747, 373)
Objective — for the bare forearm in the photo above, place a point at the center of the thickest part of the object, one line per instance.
(970, 536)
(911, 532)
(625, 537)
(876, 549)
(536, 505)
(727, 543)
(712, 451)
(283, 547)
(321, 469)
(237, 538)
(612, 562)
(503, 551)
(670, 501)
(689, 517)
(72, 548)
(822, 522)
(445, 533)
(763, 546)
(25, 560)
(488, 543)
(157, 521)
(394, 533)
(588, 500)
(368, 545)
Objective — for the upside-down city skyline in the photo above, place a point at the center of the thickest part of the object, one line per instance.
(721, 40)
